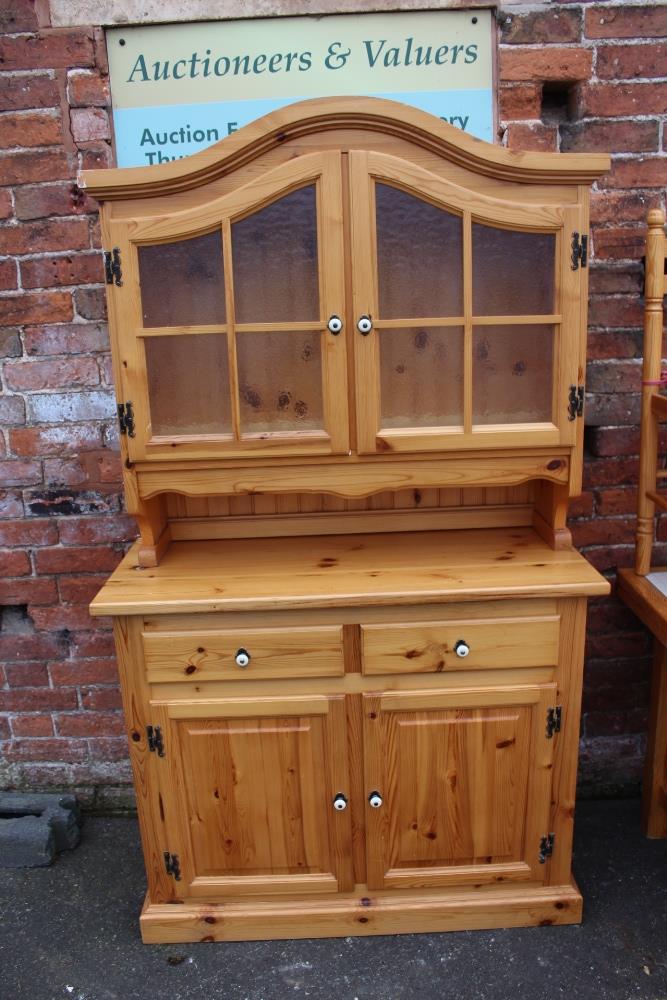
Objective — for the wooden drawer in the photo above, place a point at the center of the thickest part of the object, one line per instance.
(430, 647)
(273, 652)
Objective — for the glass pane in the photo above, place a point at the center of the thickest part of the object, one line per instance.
(512, 372)
(188, 384)
(280, 381)
(419, 255)
(512, 272)
(421, 377)
(274, 256)
(182, 284)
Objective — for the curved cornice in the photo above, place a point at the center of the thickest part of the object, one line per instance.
(328, 113)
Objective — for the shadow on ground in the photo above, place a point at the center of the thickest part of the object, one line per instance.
(71, 931)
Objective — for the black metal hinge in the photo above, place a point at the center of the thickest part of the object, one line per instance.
(579, 250)
(112, 268)
(173, 865)
(126, 418)
(155, 741)
(575, 402)
(546, 847)
(553, 720)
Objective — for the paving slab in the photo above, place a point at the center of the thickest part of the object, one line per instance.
(70, 931)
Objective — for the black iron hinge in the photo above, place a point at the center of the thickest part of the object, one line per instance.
(155, 741)
(579, 250)
(112, 268)
(126, 418)
(553, 720)
(575, 402)
(172, 865)
(546, 847)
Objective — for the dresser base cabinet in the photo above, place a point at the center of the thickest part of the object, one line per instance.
(320, 752)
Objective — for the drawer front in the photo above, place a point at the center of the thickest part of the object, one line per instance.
(244, 654)
(433, 647)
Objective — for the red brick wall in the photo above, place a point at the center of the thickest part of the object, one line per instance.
(572, 77)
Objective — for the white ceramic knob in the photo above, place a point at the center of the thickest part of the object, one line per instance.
(364, 325)
(242, 658)
(340, 802)
(461, 648)
(335, 324)
(375, 800)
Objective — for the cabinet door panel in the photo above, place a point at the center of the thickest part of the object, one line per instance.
(475, 313)
(221, 322)
(465, 778)
(251, 784)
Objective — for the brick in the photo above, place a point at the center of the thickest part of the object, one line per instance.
(42, 200)
(25, 675)
(606, 311)
(619, 644)
(90, 724)
(30, 128)
(11, 504)
(626, 21)
(31, 376)
(55, 49)
(74, 672)
(106, 369)
(8, 276)
(36, 90)
(12, 410)
(50, 619)
(614, 99)
(609, 344)
(639, 172)
(18, 15)
(73, 338)
(32, 590)
(91, 531)
(6, 207)
(619, 136)
(53, 503)
(31, 647)
(92, 644)
(4, 728)
(109, 466)
(19, 472)
(630, 206)
(47, 750)
(613, 502)
(65, 472)
(96, 155)
(607, 615)
(608, 558)
(611, 723)
(614, 376)
(90, 303)
(37, 307)
(15, 563)
(599, 531)
(87, 88)
(618, 243)
(520, 101)
(110, 749)
(611, 472)
(44, 237)
(79, 589)
(532, 137)
(101, 699)
(76, 560)
(550, 63)
(581, 506)
(625, 62)
(66, 269)
(89, 124)
(32, 725)
(536, 27)
(14, 533)
(63, 441)
(608, 441)
(33, 166)
(605, 410)
(74, 406)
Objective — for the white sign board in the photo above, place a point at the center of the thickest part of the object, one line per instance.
(178, 88)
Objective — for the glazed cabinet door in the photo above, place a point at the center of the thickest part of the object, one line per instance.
(228, 331)
(467, 313)
(458, 785)
(249, 789)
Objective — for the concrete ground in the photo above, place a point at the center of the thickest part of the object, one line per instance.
(70, 931)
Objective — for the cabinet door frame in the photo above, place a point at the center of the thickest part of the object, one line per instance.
(324, 170)
(381, 773)
(365, 169)
(334, 827)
